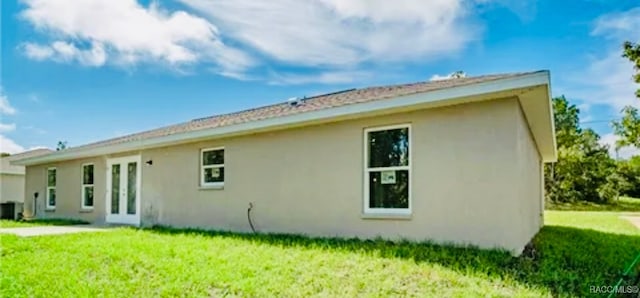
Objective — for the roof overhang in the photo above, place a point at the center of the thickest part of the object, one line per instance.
(533, 91)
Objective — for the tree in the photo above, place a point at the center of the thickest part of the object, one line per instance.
(628, 129)
(629, 170)
(4, 154)
(584, 169)
(632, 52)
(567, 122)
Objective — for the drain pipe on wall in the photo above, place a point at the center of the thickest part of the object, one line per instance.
(249, 217)
(35, 204)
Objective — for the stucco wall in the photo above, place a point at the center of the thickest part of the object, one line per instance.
(531, 192)
(11, 187)
(68, 190)
(467, 180)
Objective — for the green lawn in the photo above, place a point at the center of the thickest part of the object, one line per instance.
(621, 204)
(608, 222)
(575, 251)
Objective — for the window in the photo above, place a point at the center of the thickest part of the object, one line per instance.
(387, 170)
(51, 188)
(87, 186)
(212, 167)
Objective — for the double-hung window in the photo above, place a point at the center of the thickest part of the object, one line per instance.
(212, 167)
(51, 188)
(387, 171)
(87, 186)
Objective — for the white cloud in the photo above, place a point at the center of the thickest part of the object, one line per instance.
(37, 52)
(607, 79)
(457, 74)
(7, 127)
(325, 77)
(624, 152)
(327, 38)
(437, 77)
(5, 106)
(124, 32)
(62, 51)
(339, 33)
(618, 25)
(9, 146)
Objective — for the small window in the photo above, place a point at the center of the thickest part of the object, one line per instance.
(51, 188)
(87, 186)
(212, 167)
(387, 170)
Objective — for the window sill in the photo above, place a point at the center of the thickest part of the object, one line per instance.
(86, 210)
(212, 187)
(396, 216)
(48, 209)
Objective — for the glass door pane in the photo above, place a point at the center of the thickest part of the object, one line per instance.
(115, 189)
(132, 170)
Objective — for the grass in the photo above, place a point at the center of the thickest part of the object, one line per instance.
(4, 223)
(608, 222)
(574, 251)
(622, 204)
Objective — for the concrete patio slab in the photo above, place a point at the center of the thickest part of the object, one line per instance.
(52, 230)
(635, 220)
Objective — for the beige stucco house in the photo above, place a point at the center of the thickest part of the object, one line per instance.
(12, 183)
(458, 160)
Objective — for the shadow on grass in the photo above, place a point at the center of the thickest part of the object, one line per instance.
(59, 221)
(567, 261)
(53, 221)
(627, 205)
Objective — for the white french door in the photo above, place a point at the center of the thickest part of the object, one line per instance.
(123, 190)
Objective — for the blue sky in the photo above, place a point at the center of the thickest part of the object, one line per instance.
(83, 71)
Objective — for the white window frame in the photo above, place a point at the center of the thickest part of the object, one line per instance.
(84, 186)
(49, 188)
(203, 167)
(367, 170)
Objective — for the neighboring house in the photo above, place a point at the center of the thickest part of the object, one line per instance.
(12, 183)
(458, 160)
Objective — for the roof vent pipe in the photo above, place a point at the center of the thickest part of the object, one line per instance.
(294, 101)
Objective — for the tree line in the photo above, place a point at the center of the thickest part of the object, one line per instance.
(585, 171)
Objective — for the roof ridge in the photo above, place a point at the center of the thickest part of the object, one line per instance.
(317, 102)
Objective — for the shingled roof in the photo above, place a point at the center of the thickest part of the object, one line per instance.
(5, 162)
(331, 100)
(285, 109)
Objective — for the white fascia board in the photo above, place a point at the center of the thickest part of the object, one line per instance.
(553, 158)
(442, 95)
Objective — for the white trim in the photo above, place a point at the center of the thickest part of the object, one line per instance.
(49, 188)
(441, 97)
(396, 168)
(381, 211)
(122, 217)
(83, 186)
(554, 156)
(202, 167)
